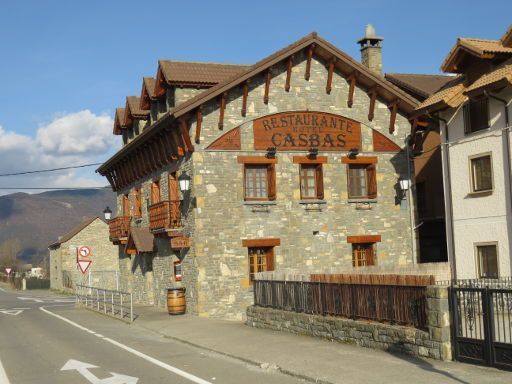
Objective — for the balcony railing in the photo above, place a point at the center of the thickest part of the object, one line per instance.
(119, 227)
(165, 215)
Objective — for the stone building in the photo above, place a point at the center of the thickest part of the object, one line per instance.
(473, 111)
(103, 271)
(294, 162)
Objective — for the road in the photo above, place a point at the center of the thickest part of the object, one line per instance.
(45, 339)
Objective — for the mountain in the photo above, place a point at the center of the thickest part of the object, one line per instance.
(33, 221)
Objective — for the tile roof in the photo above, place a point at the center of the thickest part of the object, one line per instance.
(418, 84)
(142, 238)
(451, 95)
(367, 78)
(119, 121)
(73, 232)
(478, 47)
(179, 72)
(502, 73)
(149, 85)
(506, 39)
(133, 104)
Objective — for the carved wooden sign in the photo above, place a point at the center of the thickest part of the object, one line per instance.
(299, 131)
(180, 242)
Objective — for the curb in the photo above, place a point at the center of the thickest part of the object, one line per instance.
(239, 358)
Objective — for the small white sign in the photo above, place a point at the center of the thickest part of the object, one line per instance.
(8, 270)
(84, 251)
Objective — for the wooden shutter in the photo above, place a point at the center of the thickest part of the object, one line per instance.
(319, 179)
(371, 175)
(155, 192)
(138, 202)
(126, 205)
(173, 187)
(270, 259)
(271, 181)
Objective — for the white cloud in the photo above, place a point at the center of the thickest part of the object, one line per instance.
(76, 133)
(70, 139)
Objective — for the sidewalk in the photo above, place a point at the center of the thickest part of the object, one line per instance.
(312, 359)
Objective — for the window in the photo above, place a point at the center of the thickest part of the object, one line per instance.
(363, 254)
(476, 115)
(363, 249)
(155, 192)
(126, 205)
(174, 194)
(261, 259)
(311, 176)
(362, 181)
(487, 255)
(481, 173)
(177, 271)
(137, 206)
(261, 255)
(259, 177)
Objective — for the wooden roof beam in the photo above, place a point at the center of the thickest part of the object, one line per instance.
(372, 92)
(268, 77)
(352, 78)
(245, 93)
(222, 107)
(199, 123)
(392, 118)
(309, 57)
(330, 72)
(186, 135)
(289, 65)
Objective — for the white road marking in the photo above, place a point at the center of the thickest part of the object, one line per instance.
(3, 376)
(152, 360)
(49, 299)
(83, 369)
(12, 312)
(3, 290)
(31, 298)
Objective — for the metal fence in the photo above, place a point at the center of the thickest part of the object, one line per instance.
(502, 282)
(117, 304)
(396, 304)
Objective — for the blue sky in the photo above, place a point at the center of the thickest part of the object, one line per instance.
(61, 58)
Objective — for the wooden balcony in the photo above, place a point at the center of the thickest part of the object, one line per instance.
(119, 227)
(165, 215)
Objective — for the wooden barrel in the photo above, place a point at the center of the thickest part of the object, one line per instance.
(176, 304)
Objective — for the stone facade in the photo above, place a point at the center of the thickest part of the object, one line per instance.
(434, 343)
(104, 270)
(312, 236)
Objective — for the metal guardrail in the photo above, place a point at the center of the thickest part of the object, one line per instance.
(502, 282)
(116, 304)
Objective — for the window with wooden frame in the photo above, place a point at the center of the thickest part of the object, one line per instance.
(311, 177)
(476, 115)
(361, 177)
(126, 205)
(487, 259)
(259, 178)
(155, 192)
(261, 255)
(363, 254)
(137, 202)
(481, 173)
(363, 249)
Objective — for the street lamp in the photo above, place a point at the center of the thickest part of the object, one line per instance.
(184, 181)
(108, 213)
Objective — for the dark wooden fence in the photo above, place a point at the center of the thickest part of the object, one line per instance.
(394, 304)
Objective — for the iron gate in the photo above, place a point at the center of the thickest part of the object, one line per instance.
(482, 325)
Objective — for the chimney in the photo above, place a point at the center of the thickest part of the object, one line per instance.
(371, 54)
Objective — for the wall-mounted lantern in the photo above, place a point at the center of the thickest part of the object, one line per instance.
(107, 213)
(271, 152)
(405, 184)
(184, 181)
(353, 152)
(313, 153)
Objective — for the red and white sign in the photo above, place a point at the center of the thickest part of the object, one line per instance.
(84, 265)
(84, 251)
(8, 270)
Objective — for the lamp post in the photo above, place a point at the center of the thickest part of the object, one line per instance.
(107, 213)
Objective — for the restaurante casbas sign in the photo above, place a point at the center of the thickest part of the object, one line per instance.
(299, 131)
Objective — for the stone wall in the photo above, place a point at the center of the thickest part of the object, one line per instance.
(104, 256)
(434, 343)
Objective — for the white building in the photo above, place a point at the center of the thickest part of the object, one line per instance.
(474, 112)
